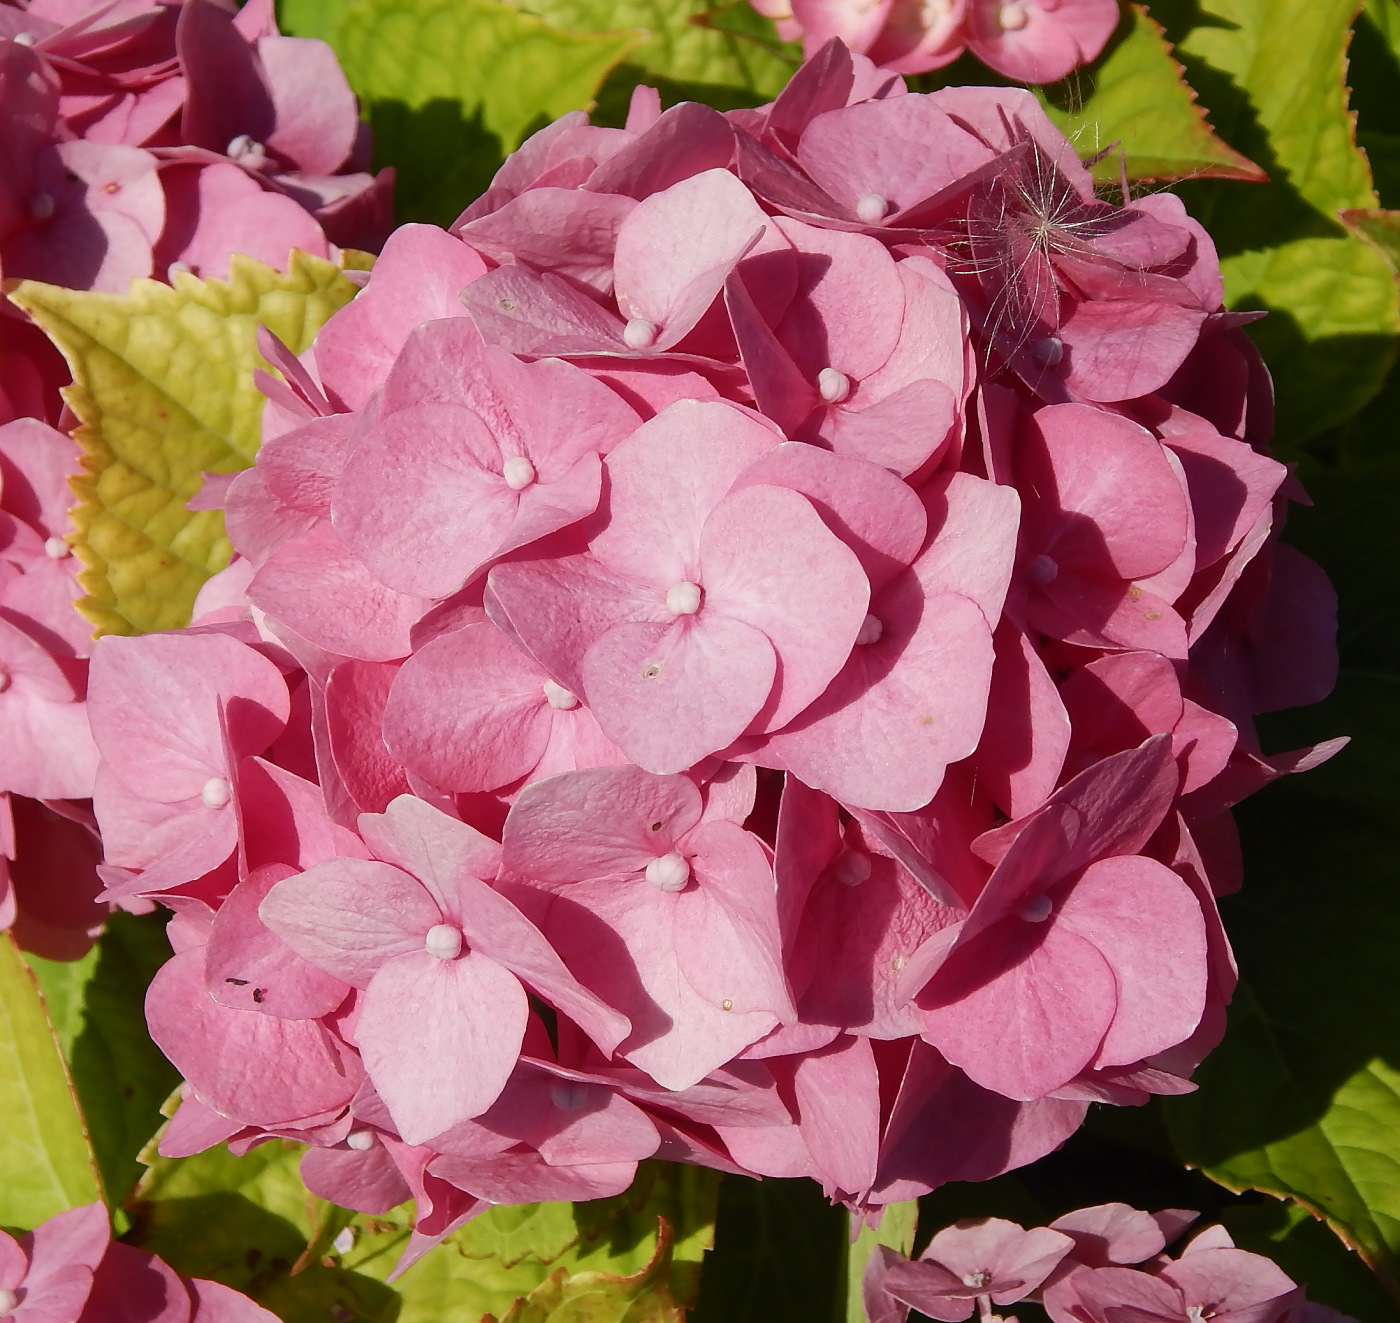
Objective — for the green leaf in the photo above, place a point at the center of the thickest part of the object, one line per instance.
(722, 56)
(44, 1154)
(163, 389)
(1273, 74)
(1135, 96)
(603, 1297)
(1302, 1099)
(311, 18)
(249, 1222)
(896, 1230)
(1379, 228)
(97, 1008)
(779, 1253)
(449, 86)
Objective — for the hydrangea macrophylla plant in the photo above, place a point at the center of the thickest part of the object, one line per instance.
(1089, 1266)
(69, 1268)
(140, 139)
(711, 672)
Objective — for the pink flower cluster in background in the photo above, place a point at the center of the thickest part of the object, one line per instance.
(741, 650)
(1033, 41)
(1096, 1265)
(143, 136)
(69, 1269)
(140, 139)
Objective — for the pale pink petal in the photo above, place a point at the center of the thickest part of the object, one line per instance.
(440, 1037)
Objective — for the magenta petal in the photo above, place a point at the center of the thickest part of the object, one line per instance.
(494, 928)
(247, 967)
(368, 1182)
(1146, 923)
(348, 916)
(253, 1068)
(468, 711)
(599, 822)
(1112, 1233)
(313, 106)
(440, 1037)
(512, 1178)
(1021, 1012)
(668, 695)
(768, 560)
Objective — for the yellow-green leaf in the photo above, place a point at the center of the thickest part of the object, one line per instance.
(163, 390)
(602, 1297)
(481, 54)
(1379, 228)
(1137, 98)
(46, 1164)
(896, 1230)
(1274, 75)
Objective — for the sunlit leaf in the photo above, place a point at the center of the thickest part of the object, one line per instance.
(163, 390)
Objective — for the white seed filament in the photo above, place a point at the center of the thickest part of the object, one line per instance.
(55, 548)
(1043, 570)
(669, 872)
(683, 599)
(852, 867)
(557, 696)
(360, 1140)
(871, 631)
(216, 792)
(833, 386)
(41, 207)
(1037, 909)
(639, 333)
(443, 941)
(1012, 16)
(872, 208)
(518, 472)
(569, 1095)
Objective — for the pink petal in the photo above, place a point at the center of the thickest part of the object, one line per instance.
(669, 695)
(368, 1182)
(318, 587)
(356, 695)
(348, 916)
(247, 967)
(440, 1037)
(904, 149)
(435, 848)
(158, 702)
(468, 711)
(1146, 923)
(253, 1068)
(867, 507)
(768, 560)
(1023, 1011)
(416, 279)
(496, 929)
(596, 823)
(313, 107)
(216, 1303)
(667, 478)
(838, 1092)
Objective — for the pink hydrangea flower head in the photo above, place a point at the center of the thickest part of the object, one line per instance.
(976, 1259)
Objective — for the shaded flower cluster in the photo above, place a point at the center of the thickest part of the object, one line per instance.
(147, 136)
(69, 1268)
(1094, 1265)
(139, 139)
(726, 662)
(1033, 41)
